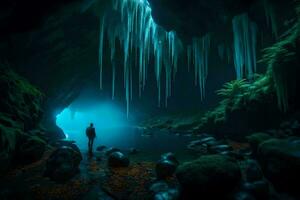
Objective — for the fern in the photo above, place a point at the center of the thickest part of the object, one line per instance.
(233, 89)
(8, 137)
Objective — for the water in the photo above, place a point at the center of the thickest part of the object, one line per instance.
(132, 137)
(113, 131)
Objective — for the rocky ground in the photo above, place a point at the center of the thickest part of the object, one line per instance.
(264, 167)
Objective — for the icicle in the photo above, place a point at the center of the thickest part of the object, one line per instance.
(221, 51)
(271, 18)
(189, 56)
(101, 41)
(113, 80)
(140, 37)
(201, 49)
(245, 36)
(228, 52)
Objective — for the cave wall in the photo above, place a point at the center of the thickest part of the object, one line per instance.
(56, 46)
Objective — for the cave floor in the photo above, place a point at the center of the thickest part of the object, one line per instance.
(95, 180)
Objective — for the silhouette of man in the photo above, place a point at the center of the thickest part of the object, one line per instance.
(91, 134)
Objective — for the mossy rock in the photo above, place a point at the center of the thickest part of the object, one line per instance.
(63, 164)
(280, 161)
(210, 176)
(30, 150)
(256, 139)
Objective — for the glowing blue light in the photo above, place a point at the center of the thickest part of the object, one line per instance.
(107, 119)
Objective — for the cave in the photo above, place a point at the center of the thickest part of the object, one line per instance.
(149, 99)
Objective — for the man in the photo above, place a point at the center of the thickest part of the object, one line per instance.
(91, 134)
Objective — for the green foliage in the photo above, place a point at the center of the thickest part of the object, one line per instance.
(233, 88)
(282, 61)
(256, 139)
(8, 138)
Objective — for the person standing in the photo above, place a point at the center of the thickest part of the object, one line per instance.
(91, 134)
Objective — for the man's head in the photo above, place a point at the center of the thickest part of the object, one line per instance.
(91, 125)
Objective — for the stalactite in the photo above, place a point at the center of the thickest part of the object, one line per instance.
(245, 39)
(201, 49)
(101, 41)
(271, 18)
(189, 56)
(113, 80)
(140, 37)
(221, 51)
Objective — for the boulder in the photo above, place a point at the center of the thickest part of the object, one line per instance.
(30, 150)
(111, 150)
(101, 148)
(133, 151)
(63, 164)
(165, 168)
(157, 187)
(68, 143)
(213, 176)
(256, 139)
(280, 161)
(221, 148)
(162, 191)
(118, 159)
(243, 196)
(170, 156)
(258, 189)
(171, 194)
(253, 171)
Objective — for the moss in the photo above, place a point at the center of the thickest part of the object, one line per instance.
(233, 89)
(8, 138)
(212, 175)
(283, 65)
(256, 139)
(280, 162)
(21, 102)
(20, 112)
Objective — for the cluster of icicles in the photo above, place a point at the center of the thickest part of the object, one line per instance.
(143, 41)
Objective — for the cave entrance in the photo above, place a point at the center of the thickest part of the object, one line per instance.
(110, 123)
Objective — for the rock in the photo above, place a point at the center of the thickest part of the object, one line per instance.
(160, 186)
(280, 162)
(243, 196)
(133, 151)
(98, 158)
(30, 150)
(256, 139)
(101, 148)
(118, 159)
(111, 150)
(253, 171)
(258, 189)
(202, 148)
(68, 143)
(220, 148)
(213, 176)
(207, 139)
(162, 191)
(170, 156)
(165, 168)
(244, 152)
(65, 142)
(63, 164)
(5, 162)
(171, 194)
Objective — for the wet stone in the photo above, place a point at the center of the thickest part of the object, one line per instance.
(101, 148)
(165, 168)
(111, 150)
(118, 159)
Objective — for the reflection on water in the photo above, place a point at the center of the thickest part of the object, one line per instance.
(131, 137)
(113, 130)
